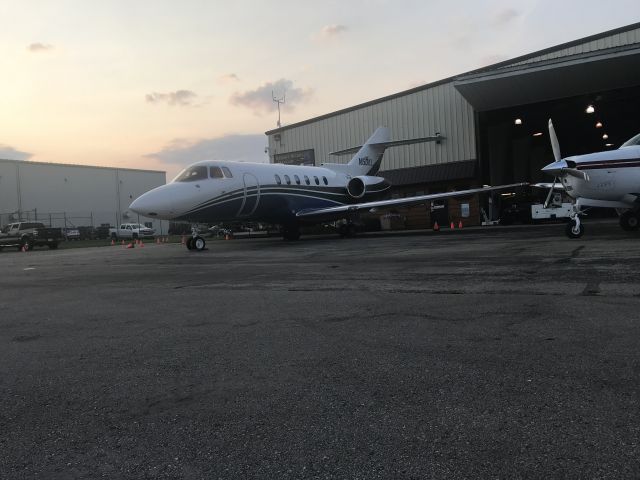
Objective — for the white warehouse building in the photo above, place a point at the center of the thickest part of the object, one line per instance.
(493, 122)
(61, 195)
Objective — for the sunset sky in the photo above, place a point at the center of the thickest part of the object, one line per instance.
(160, 84)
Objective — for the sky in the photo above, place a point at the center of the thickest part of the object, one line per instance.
(160, 84)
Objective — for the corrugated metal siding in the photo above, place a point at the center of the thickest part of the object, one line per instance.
(616, 40)
(423, 113)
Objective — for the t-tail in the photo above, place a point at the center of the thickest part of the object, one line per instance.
(367, 160)
(368, 157)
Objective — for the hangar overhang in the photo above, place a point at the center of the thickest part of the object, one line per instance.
(523, 84)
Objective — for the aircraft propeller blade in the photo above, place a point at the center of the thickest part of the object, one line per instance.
(553, 185)
(554, 142)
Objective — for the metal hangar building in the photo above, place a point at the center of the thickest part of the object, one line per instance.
(493, 122)
(67, 195)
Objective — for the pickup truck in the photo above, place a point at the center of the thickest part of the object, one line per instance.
(131, 230)
(28, 235)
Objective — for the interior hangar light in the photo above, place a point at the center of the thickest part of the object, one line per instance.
(599, 125)
(518, 121)
(605, 136)
(538, 134)
(590, 109)
(608, 144)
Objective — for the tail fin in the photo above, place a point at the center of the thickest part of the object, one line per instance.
(368, 157)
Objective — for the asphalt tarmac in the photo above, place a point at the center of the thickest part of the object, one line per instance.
(500, 353)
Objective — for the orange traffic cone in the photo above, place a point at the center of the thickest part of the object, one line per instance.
(157, 239)
(183, 241)
(113, 242)
(141, 244)
(453, 225)
(131, 245)
(460, 224)
(123, 243)
(436, 227)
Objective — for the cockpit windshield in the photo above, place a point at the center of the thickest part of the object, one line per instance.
(191, 174)
(633, 142)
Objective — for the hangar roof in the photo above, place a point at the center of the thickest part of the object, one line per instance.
(597, 48)
(578, 74)
(51, 164)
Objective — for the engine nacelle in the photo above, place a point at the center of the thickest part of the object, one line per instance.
(357, 187)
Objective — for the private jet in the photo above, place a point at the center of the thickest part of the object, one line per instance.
(603, 179)
(287, 195)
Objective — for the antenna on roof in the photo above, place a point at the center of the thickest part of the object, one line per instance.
(279, 101)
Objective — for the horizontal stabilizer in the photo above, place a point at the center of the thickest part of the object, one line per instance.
(395, 143)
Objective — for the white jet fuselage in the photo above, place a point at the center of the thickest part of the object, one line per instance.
(221, 191)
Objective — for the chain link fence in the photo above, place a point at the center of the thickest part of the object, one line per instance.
(87, 222)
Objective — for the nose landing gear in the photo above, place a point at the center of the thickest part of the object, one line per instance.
(195, 241)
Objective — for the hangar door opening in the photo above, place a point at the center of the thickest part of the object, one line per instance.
(514, 142)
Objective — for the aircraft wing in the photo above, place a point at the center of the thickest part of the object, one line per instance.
(396, 202)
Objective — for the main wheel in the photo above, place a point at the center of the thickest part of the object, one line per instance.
(574, 231)
(629, 221)
(198, 243)
(291, 233)
(189, 243)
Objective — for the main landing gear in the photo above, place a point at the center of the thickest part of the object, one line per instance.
(195, 241)
(347, 229)
(629, 220)
(290, 233)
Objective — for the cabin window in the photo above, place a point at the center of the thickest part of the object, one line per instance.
(191, 174)
(297, 178)
(287, 179)
(227, 172)
(306, 180)
(324, 179)
(216, 172)
(317, 181)
(278, 181)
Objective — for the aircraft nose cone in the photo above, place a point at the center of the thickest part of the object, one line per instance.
(554, 167)
(152, 204)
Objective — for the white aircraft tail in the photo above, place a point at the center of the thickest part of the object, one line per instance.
(368, 157)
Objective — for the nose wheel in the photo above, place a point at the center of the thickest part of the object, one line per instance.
(195, 241)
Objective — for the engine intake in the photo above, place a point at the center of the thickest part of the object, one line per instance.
(356, 187)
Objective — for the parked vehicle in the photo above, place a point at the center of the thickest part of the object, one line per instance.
(102, 231)
(26, 235)
(71, 233)
(131, 230)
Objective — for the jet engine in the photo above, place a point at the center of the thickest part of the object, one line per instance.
(357, 187)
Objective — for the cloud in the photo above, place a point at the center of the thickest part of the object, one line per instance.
(179, 97)
(10, 153)
(330, 31)
(39, 47)
(504, 17)
(260, 100)
(228, 78)
(242, 148)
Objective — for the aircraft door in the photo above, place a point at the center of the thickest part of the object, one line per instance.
(251, 195)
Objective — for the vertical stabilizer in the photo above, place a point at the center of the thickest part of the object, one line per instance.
(367, 160)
